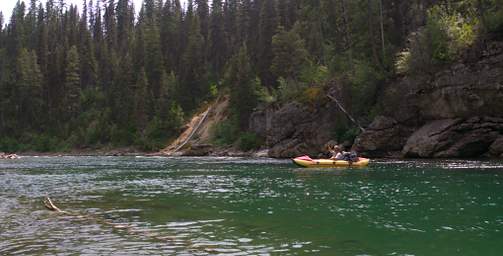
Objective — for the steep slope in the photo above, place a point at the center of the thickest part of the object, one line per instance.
(195, 140)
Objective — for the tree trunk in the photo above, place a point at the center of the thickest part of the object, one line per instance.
(347, 34)
(382, 31)
(370, 22)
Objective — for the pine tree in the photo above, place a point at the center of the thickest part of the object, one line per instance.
(244, 17)
(267, 29)
(72, 83)
(125, 25)
(121, 94)
(166, 95)
(217, 43)
(31, 24)
(231, 23)
(240, 78)
(1, 24)
(88, 65)
(203, 13)
(194, 84)
(168, 35)
(140, 89)
(313, 28)
(16, 30)
(110, 26)
(289, 54)
(28, 88)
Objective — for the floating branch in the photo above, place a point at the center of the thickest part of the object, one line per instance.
(48, 203)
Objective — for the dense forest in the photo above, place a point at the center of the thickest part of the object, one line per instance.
(102, 75)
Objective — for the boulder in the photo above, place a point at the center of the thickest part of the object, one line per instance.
(426, 141)
(496, 148)
(383, 137)
(294, 129)
(198, 150)
(454, 138)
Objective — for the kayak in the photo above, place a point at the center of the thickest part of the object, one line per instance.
(306, 161)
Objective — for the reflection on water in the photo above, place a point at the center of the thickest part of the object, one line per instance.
(241, 206)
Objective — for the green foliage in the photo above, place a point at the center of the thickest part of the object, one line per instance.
(46, 143)
(225, 133)
(263, 94)
(314, 74)
(347, 134)
(446, 34)
(307, 88)
(213, 90)
(72, 83)
(9, 144)
(108, 77)
(289, 53)
(290, 89)
(243, 92)
(364, 83)
(494, 17)
(248, 141)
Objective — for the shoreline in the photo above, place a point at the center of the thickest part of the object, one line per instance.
(224, 153)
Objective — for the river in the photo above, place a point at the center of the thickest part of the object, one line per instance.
(242, 206)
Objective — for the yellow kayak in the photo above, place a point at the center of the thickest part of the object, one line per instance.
(306, 161)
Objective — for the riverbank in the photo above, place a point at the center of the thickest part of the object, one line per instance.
(127, 151)
(130, 151)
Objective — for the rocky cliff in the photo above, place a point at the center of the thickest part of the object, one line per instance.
(294, 129)
(456, 112)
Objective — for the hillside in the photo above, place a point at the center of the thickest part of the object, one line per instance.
(104, 76)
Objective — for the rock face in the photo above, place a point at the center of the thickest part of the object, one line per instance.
(456, 112)
(496, 148)
(293, 129)
(454, 138)
(385, 137)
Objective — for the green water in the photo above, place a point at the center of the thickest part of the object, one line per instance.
(239, 206)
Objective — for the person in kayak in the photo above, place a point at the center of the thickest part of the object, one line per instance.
(338, 154)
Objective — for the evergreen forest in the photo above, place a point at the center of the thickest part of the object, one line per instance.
(111, 74)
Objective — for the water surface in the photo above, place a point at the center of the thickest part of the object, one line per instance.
(240, 206)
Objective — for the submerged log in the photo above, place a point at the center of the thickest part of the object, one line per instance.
(50, 205)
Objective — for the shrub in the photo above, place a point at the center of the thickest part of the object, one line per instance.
(290, 89)
(45, 143)
(213, 90)
(312, 94)
(344, 133)
(494, 19)
(316, 74)
(8, 144)
(248, 141)
(446, 34)
(225, 133)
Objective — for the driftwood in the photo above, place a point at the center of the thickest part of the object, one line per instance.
(8, 156)
(48, 203)
(51, 206)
